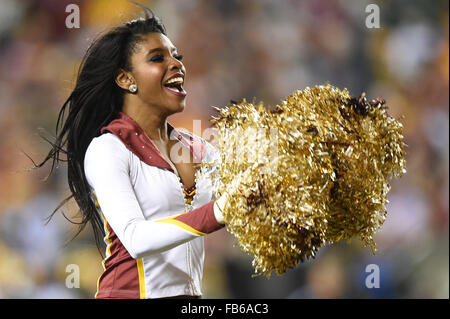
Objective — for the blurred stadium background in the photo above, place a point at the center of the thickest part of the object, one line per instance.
(233, 50)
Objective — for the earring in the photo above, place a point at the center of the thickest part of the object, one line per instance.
(132, 88)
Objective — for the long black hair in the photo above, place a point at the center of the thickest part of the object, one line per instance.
(94, 102)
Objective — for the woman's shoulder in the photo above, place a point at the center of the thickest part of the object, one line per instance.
(105, 145)
(105, 140)
(105, 157)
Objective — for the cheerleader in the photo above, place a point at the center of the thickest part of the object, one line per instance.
(151, 209)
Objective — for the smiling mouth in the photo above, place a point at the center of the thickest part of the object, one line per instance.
(175, 86)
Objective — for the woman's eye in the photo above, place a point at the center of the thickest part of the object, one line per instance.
(157, 58)
(160, 58)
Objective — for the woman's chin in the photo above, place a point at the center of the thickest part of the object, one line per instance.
(177, 108)
(181, 106)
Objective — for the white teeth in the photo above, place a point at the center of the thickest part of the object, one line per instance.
(175, 80)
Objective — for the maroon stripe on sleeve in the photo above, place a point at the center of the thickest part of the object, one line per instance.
(201, 219)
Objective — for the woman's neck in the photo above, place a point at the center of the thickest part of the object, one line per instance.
(152, 122)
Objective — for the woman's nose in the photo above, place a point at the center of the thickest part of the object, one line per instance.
(176, 64)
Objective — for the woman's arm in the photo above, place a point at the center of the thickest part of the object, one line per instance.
(107, 171)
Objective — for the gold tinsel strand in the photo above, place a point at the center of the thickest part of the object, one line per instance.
(313, 170)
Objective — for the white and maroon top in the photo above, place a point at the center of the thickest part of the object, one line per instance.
(154, 226)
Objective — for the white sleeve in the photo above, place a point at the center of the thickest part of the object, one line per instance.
(107, 169)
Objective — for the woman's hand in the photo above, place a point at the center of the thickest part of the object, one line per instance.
(219, 206)
(232, 189)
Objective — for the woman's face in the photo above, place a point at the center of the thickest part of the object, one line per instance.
(154, 63)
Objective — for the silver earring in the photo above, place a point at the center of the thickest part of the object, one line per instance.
(132, 88)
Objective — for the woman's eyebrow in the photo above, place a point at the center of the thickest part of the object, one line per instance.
(160, 49)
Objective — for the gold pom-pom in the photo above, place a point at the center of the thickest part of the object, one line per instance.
(311, 171)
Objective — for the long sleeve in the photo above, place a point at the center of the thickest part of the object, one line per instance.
(107, 169)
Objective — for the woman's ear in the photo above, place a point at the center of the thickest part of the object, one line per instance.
(124, 79)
